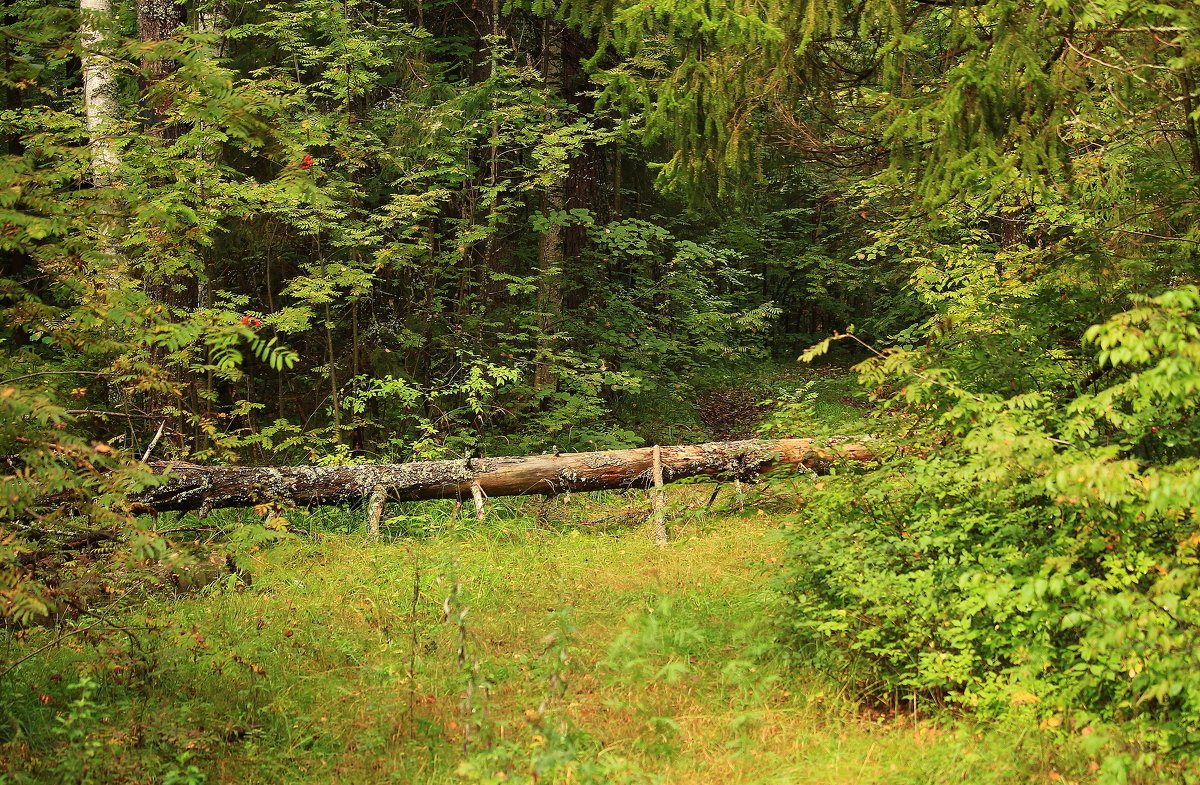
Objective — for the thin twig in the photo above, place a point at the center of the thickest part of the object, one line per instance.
(1077, 227)
(55, 373)
(103, 413)
(154, 441)
(913, 371)
(49, 646)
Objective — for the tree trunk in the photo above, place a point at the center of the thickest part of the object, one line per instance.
(203, 488)
(102, 112)
(157, 20)
(552, 240)
(99, 90)
(1188, 82)
(210, 19)
(12, 93)
(213, 18)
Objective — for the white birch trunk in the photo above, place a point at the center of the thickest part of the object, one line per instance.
(102, 113)
(99, 91)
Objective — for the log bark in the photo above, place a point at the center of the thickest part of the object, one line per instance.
(203, 488)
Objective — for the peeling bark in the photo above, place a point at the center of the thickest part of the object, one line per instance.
(204, 488)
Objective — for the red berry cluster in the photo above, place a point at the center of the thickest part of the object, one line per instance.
(250, 321)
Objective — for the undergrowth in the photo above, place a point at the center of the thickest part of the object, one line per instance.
(1026, 554)
(532, 650)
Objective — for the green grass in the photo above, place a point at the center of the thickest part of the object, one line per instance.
(555, 643)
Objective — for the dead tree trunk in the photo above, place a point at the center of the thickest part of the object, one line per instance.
(203, 488)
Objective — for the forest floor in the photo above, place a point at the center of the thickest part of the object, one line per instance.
(531, 649)
(553, 643)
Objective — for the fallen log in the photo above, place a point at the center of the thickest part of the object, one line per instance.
(203, 488)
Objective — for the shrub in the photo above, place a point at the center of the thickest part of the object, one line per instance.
(1036, 550)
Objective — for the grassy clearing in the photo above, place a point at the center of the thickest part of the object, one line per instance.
(534, 649)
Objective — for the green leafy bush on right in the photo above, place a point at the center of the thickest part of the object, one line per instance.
(1036, 550)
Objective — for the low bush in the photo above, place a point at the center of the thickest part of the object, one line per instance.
(1031, 552)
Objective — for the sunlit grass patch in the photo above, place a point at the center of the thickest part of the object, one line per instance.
(540, 651)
